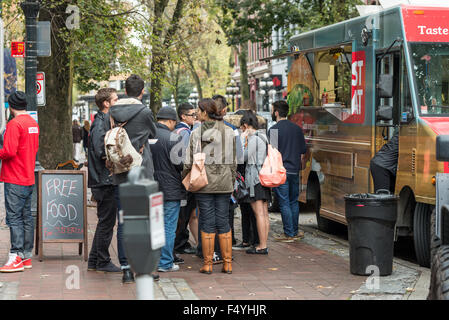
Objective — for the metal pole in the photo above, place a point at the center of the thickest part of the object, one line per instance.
(144, 287)
(31, 10)
(2, 71)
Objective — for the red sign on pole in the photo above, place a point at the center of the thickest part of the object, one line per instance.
(18, 49)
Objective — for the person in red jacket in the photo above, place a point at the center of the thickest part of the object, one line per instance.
(18, 156)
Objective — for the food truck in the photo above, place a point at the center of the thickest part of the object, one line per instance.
(351, 85)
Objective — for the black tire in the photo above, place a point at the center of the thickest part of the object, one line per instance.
(421, 233)
(324, 225)
(439, 281)
(435, 243)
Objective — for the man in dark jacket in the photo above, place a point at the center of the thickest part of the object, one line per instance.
(100, 182)
(167, 171)
(139, 124)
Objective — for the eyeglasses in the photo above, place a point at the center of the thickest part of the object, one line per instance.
(191, 115)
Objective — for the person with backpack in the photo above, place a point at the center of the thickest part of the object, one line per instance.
(214, 142)
(187, 216)
(255, 154)
(288, 138)
(102, 187)
(138, 122)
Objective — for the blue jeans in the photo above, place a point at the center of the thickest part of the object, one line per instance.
(171, 214)
(120, 248)
(288, 194)
(19, 219)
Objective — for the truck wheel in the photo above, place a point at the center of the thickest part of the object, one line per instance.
(324, 225)
(421, 233)
(439, 281)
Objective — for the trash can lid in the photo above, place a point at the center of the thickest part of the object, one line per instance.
(380, 195)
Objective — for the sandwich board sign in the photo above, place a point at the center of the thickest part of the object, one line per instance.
(40, 87)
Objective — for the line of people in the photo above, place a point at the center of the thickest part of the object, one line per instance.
(209, 212)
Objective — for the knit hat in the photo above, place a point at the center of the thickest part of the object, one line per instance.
(167, 113)
(18, 100)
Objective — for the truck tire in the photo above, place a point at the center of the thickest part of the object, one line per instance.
(435, 243)
(421, 233)
(324, 225)
(439, 281)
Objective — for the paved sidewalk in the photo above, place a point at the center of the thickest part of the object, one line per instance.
(290, 271)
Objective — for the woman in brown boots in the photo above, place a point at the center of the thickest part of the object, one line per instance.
(217, 142)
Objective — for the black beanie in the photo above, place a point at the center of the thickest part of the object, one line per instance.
(18, 100)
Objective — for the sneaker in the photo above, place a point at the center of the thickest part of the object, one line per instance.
(284, 238)
(14, 264)
(178, 260)
(217, 259)
(128, 276)
(175, 267)
(191, 250)
(91, 266)
(109, 268)
(300, 235)
(27, 263)
(241, 246)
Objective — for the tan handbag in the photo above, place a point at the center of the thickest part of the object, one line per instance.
(197, 177)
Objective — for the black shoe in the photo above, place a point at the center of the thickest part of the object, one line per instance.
(190, 250)
(110, 267)
(91, 266)
(178, 260)
(241, 246)
(234, 242)
(128, 276)
(217, 259)
(253, 250)
(155, 276)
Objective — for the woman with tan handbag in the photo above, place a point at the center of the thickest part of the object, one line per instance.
(209, 171)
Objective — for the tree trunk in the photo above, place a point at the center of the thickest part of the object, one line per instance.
(55, 140)
(244, 86)
(195, 76)
(158, 64)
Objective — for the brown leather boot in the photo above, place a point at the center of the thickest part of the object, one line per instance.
(225, 240)
(208, 242)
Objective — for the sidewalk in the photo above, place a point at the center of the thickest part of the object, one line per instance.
(290, 271)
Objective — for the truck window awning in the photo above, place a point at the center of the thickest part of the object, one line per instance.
(280, 56)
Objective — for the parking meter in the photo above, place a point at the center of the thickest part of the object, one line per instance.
(137, 197)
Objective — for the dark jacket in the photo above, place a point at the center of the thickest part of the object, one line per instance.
(140, 127)
(288, 138)
(387, 156)
(98, 174)
(167, 171)
(77, 133)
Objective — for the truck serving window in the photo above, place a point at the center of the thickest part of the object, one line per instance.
(431, 68)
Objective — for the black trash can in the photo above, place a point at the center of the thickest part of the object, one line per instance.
(371, 220)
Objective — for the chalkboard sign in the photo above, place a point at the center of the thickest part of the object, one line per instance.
(62, 208)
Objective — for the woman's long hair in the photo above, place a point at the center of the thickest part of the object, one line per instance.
(86, 125)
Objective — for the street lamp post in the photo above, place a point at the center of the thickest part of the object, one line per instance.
(266, 85)
(193, 97)
(31, 10)
(231, 92)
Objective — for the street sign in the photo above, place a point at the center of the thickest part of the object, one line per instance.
(18, 49)
(40, 87)
(43, 39)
